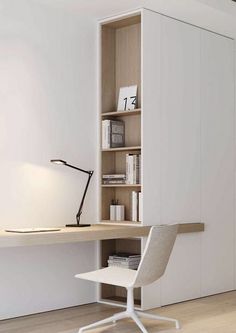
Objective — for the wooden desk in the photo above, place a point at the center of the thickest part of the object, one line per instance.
(95, 232)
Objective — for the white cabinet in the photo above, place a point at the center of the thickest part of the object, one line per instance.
(217, 162)
(180, 154)
(185, 81)
(151, 125)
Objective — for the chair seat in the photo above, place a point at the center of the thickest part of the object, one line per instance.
(116, 276)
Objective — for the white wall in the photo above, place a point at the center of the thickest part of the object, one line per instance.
(47, 110)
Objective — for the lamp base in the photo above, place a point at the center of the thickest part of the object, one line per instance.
(78, 225)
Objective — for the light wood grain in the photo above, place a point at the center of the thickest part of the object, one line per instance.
(125, 22)
(120, 222)
(95, 232)
(109, 247)
(121, 66)
(121, 185)
(206, 315)
(121, 113)
(123, 149)
(128, 58)
(108, 97)
(71, 235)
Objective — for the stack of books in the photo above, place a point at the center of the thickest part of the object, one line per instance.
(124, 260)
(133, 168)
(113, 134)
(136, 206)
(114, 179)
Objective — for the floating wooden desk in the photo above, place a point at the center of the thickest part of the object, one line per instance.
(93, 233)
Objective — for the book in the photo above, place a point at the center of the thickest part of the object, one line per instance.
(134, 207)
(124, 260)
(105, 134)
(133, 168)
(123, 265)
(115, 181)
(124, 256)
(140, 206)
(112, 176)
(113, 133)
(133, 261)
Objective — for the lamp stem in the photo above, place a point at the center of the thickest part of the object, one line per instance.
(90, 173)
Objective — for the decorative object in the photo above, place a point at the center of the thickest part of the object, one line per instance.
(89, 173)
(127, 98)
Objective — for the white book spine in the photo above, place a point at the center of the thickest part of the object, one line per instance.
(134, 169)
(108, 134)
(105, 134)
(131, 169)
(139, 171)
(140, 206)
(134, 206)
(128, 173)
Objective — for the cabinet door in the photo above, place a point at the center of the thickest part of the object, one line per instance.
(151, 111)
(218, 162)
(180, 154)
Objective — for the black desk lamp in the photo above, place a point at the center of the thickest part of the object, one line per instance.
(89, 173)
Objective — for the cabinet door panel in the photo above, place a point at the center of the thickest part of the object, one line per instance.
(182, 278)
(180, 153)
(151, 117)
(218, 162)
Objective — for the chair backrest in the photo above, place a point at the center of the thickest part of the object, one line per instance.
(156, 255)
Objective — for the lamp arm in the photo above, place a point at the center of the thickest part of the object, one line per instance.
(82, 170)
(90, 173)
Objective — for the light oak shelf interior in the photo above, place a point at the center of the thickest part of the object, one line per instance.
(121, 185)
(120, 67)
(122, 149)
(109, 247)
(121, 113)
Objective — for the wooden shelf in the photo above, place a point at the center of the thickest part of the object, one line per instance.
(122, 149)
(120, 222)
(121, 185)
(121, 113)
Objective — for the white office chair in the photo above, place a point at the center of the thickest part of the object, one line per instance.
(152, 266)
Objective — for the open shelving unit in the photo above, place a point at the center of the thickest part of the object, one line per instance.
(113, 294)
(120, 67)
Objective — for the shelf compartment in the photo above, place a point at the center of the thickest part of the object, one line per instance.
(109, 247)
(121, 113)
(138, 148)
(114, 161)
(121, 61)
(132, 131)
(121, 193)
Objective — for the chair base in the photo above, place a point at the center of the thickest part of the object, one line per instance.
(130, 313)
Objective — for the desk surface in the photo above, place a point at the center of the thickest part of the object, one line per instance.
(95, 232)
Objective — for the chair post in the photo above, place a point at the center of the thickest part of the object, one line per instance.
(130, 300)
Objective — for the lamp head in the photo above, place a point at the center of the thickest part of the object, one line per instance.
(61, 162)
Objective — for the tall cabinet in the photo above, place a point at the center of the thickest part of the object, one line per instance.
(183, 127)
